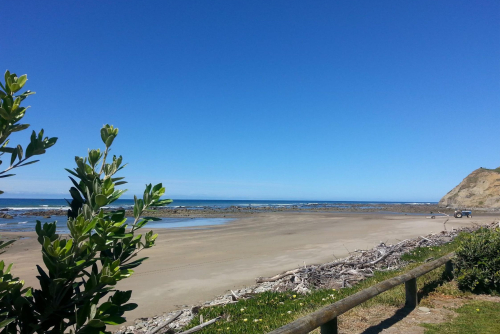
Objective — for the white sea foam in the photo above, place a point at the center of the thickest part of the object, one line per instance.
(21, 223)
(28, 208)
(418, 203)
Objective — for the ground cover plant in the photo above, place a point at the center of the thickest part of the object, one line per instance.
(486, 317)
(77, 291)
(270, 310)
(478, 261)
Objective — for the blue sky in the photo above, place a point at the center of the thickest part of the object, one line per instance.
(325, 100)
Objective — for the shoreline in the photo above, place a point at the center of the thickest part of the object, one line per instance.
(244, 211)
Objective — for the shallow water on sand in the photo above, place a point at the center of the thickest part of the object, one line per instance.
(28, 223)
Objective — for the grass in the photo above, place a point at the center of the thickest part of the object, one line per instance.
(270, 310)
(485, 316)
(494, 170)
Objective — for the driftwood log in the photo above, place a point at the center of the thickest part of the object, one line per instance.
(277, 277)
(165, 323)
(201, 326)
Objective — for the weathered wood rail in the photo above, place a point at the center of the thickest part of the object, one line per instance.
(326, 318)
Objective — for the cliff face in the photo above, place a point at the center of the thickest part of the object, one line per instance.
(481, 189)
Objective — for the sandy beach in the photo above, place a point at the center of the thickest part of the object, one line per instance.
(192, 265)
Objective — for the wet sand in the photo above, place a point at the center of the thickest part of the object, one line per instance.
(192, 265)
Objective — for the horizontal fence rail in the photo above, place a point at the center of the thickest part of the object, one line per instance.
(326, 318)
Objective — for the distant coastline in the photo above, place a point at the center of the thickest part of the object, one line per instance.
(26, 204)
(23, 213)
(224, 208)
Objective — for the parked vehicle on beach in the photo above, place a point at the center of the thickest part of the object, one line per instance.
(461, 213)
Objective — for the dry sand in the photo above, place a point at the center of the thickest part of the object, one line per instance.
(192, 265)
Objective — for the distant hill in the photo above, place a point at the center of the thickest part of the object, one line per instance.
(480, 189)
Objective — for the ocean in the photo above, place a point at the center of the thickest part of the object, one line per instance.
(22, 223)
(26, 204)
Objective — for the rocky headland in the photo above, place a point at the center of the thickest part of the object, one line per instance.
(479, 190)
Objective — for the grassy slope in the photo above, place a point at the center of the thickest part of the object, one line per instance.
(270, 310)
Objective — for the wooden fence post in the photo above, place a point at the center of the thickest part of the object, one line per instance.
(330, 327)
(448, 268)
(411, 293)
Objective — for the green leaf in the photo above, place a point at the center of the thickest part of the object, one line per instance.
(13, 157)
(114, 320)
(155, 219)
(162, 202)
(50, 142)
(29, 163)
(7, 149)
(101, 200)
(104, 134)
(14, 87)
(6, 322)
(109, 141)
(129, 307)
(7, 76)
(96, 323)
(5, 244)
(122, 236)
(19, 127)
(22, 80)
(93, 310)
(5, 114)
(19, 152)
(121, 297)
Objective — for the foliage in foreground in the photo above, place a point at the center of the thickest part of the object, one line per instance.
(11, 113)
(477, 265)
(77, 291)
(485, 315)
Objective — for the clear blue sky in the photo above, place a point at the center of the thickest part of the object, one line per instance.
(325, 100)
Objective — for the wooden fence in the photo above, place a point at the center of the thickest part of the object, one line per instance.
(326, 318)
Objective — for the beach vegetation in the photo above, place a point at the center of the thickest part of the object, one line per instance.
(11, 114)
(270, 310)
(77, 290)
(485, 315)
(477, 264)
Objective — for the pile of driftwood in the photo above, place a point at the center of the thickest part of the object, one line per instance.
(337, 274)
(358, 266)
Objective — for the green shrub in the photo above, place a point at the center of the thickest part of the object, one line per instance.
(11, 114)
(77, 288)
(477, 264)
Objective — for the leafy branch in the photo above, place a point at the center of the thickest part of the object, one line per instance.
(11, 113)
